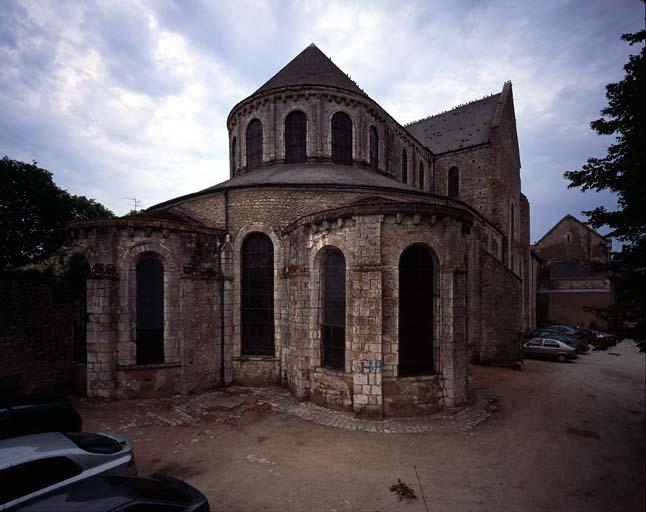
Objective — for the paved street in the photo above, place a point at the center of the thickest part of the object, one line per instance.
(565, 437)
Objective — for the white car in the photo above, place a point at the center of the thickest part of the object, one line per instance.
(36, 464)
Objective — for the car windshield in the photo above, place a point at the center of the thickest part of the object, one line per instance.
(95, 443)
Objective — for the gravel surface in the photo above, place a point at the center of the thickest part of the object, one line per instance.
(548, 438)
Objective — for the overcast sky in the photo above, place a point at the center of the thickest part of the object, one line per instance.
(129, 99)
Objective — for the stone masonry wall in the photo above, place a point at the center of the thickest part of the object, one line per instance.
(500, 313)
(191, 303)
(570, 240)
(35, 336)
(319, 104)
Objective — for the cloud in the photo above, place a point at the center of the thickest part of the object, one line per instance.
(129, 99)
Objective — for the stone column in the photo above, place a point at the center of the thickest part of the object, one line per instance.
(454, 350)
(101, 338)
(366, 327)
(229, 303)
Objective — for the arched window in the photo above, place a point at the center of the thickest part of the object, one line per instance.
(416, 311)
(341, 139)
(257, 295)
(421, 176)
(150, 309)
(374, 149)
(404, 166)
(454, 182)
(295, 137)
(254, 144)
(333, 317)
(234, 155)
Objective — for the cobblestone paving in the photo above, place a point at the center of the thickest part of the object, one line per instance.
(226, 407)
(464, 419)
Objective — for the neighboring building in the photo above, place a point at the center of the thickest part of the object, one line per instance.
(568, 283)
(359, 262)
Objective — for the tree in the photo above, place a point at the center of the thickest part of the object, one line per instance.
(623, 171)
(34, 211)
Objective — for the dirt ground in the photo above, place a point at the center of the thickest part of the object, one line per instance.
(565, 437)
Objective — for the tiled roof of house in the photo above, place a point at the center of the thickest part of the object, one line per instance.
(461, 127)
(311, 67)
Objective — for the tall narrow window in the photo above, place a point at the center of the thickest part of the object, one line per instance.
(341, 139)
(295, 137)
(79, 272)
(333, 318)
(513, 221)
(254, 144)
(234, 156)
(150, 309)
(416, 311)
(404, 166)
(454, 182)
(257, 295)
(421, 176)
(374, 149)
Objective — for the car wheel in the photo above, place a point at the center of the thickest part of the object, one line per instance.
(561, 358)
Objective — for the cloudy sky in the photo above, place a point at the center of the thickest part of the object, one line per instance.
(129, 99)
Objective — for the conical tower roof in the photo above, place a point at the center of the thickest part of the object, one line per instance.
(311, 67)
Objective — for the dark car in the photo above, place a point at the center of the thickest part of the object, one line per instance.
(158, 493)
(37, 414)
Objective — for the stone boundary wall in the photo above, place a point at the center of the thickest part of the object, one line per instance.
(35, 336)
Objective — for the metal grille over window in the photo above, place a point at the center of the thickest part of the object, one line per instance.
(295, 137)
(416, 311)
(333, 301)
(254, 144)
(404, 166)
(150, 310)
(454, 182)
(257, 300)
(374, 149)
(341, 139)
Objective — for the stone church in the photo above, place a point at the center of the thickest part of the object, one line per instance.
(358, 262)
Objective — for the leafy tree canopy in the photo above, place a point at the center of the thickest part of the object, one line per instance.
(34, 211)
(623, 171)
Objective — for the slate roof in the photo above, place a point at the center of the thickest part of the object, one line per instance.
(174, 216)
(313, 174)
(311, 67)
(464, 126)
(309, 175)
(573, 270)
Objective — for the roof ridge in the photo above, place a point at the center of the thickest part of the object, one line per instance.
(461, 105)
(310, 67)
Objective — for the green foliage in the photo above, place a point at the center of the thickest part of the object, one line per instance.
(623, 171)
(33, 213)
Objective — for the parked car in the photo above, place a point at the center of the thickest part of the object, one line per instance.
(35, 414)
(585, 337)
(546, 332)
(549, 348)
(33, 465)
(159, 493)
